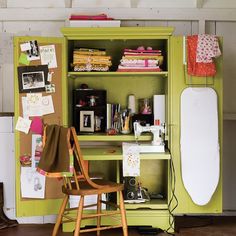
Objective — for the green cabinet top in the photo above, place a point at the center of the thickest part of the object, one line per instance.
(117, 33)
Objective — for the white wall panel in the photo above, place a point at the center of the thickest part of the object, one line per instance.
(210, 27)
(3, 3)
(40, 28)
(8, 85)
(34, 3)
(167, 3)
(229, 165)
(219, 4)
(181, 27)
(101, 3)
(228, 31)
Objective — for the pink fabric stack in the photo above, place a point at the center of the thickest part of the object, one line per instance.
(140, 60)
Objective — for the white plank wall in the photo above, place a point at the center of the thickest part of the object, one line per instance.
(46, 17)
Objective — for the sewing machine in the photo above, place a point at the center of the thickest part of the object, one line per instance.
(157, 144)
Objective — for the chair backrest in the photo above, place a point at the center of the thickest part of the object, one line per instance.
(80, 168)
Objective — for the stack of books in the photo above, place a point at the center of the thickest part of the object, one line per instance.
(141, 60)
(89, 59)
(101, 20)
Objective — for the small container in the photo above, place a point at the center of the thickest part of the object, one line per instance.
(125, 121)
(145, 106)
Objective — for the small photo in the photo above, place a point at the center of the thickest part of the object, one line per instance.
(33, 52)
(86, 121)
(33, 80)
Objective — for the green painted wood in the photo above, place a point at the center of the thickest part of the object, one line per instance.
(177, 85)
(118, 33)
(115, 153)
(156, 218)
(34, 207)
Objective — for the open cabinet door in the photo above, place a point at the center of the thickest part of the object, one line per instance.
(179, 82)
(39, 69)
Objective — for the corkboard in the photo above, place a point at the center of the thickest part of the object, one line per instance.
(53, 186)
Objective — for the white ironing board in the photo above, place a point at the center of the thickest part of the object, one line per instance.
(200, 158)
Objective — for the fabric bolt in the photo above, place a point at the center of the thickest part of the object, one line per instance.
(197, 68)
(207, 48)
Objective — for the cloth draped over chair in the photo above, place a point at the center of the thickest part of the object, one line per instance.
(57, 156)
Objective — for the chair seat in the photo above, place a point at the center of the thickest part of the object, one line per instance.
(86, 189)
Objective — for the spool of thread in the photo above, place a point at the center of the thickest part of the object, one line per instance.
(131, 103)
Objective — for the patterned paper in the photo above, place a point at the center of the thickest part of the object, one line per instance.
(131, 159)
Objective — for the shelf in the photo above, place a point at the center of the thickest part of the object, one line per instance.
(115, 153)
(152, 204)
(109, 138)
(115, 73)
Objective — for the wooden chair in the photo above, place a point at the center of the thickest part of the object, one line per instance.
(83, 187)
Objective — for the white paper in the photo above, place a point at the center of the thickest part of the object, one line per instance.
(25, 46)
(25, 108)
(23, 124)
(47, 105)
(32, 183)
(34, 104)
(131, 159)
(48, 56)
(37, 148)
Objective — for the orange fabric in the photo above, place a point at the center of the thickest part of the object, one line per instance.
(197, 68)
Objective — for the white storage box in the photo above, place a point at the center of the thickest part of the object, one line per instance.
(94, 23)
(90, 199)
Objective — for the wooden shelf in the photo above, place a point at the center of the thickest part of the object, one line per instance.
(115, 153)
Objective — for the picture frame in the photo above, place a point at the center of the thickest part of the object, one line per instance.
(86, 121)
(32, 78)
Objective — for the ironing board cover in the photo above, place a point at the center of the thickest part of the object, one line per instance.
(200, 158)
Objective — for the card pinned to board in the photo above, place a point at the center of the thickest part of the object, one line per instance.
(23, 124)
(23, 59)
(37, 125)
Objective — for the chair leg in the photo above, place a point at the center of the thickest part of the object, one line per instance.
(98, 212)
(123, 215)
(60, 215)
(79, 216)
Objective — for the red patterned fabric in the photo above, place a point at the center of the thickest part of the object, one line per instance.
(198, 68)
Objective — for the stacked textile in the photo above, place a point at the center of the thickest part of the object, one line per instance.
(87, 59)
(141, 60)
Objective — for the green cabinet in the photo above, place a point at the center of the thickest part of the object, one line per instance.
(156, 171)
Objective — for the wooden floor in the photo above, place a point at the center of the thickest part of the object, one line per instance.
(185, 226)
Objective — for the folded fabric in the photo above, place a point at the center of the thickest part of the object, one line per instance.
(197, 68)
(207, 48)
(57, 157)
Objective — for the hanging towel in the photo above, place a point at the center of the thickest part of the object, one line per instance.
(207, 48)
(57, 156)
(131, 159)
(205, 66)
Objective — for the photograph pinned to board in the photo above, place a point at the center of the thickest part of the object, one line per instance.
(50, 88)
(48, 56)
(31, 49)
(32, 78)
